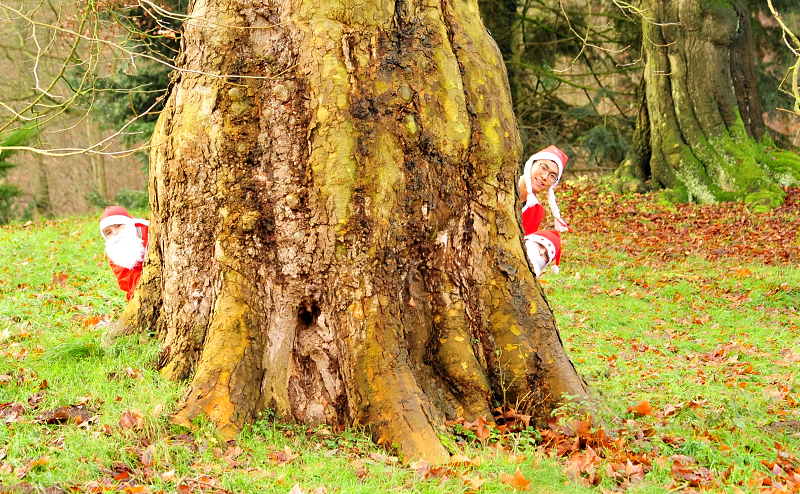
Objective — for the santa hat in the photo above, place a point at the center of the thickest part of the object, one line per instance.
(115, 215)
(552, 242)
(557, 156)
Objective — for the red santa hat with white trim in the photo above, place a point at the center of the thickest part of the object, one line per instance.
(557, 156)
(552, 242)
(115, 215)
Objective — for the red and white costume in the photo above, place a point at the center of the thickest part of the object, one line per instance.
(129, 256)
(551, 241)
(533, 211)
(533, 214)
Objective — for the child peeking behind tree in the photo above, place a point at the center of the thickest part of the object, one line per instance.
(542, 173)
(544, 249)
(126, 242)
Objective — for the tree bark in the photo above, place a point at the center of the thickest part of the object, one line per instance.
(335, 237)
(706, 133)
(97, 161)
(42, 192)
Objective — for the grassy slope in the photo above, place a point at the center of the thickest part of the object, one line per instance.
(641, 320)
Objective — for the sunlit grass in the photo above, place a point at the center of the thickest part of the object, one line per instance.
(639, 329)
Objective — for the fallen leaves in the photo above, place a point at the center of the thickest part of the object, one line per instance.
(582, 467)
(479, 426)
(132, 419)
(74, 414)
(663, 230)
(684, 471)
(282, 457)
(518, 482)
(643, 409)
(10, 412)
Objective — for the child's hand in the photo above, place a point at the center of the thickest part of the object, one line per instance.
(561, 226)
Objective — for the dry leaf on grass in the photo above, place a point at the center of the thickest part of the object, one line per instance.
(132, 419)
(643, 409)
(518, 482)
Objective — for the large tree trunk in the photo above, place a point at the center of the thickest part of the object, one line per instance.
(335, 237)
(700, 132)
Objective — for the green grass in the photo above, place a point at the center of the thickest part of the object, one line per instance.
(639, 328)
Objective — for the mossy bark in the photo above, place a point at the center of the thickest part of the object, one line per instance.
(706, 133)
(335, 237)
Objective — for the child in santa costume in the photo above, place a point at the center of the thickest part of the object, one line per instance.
(542, 173)
(126, 242)
(544, 249)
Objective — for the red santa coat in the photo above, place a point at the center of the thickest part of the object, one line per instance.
(532, 216)
(129, 278)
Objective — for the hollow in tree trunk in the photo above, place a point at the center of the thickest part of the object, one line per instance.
(334, 232)
(700, 131)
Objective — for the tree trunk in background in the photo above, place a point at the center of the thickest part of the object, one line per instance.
(702, 122)
(42, 192)
(337, 239)
(97, 161)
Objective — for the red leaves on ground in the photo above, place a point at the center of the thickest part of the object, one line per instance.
(685, 472)
(712, 231)
(518, 482)
(10, 412)
(480, 426)
(508, 420)
(588, 448)
(75, 414)
(670, 409)
(282, 457)
(35, 399)
(95, 320)
(132, 419)
(59, 279)
(445, 473)
(643, 409)
(626, 473)
(582, 467)
(784, 473)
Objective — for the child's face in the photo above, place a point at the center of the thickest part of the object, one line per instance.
(543, 252)
(544, 173)
(112, 230)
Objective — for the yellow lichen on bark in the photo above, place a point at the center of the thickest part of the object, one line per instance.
(393, 399)
(338, 238)
(227, 340)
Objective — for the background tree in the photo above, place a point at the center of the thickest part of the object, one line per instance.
(334, 223)
(8, 192)
(700, 132)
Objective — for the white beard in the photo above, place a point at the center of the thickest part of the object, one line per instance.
(126, 248)
(537, 260)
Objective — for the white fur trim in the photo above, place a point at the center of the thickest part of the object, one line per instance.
(532, 202)
(528, 184)
(554, 269)
(116, 219)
